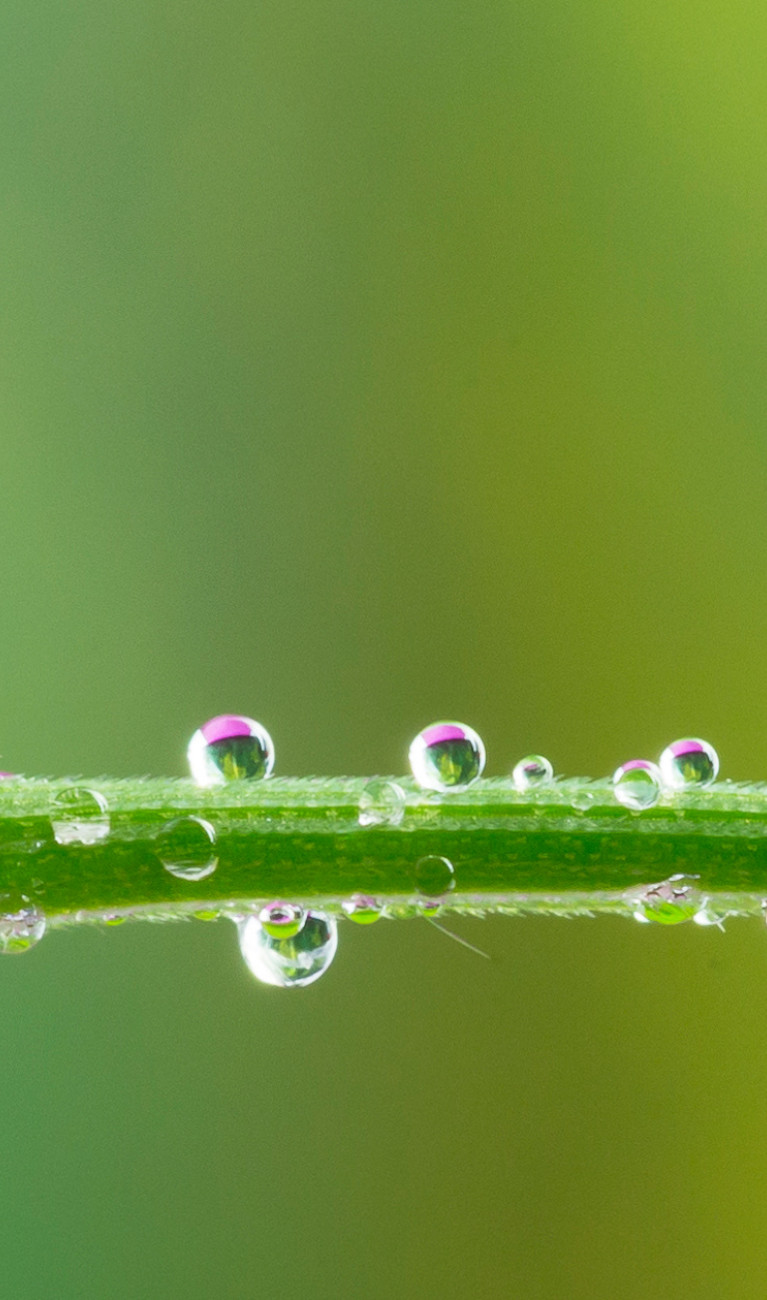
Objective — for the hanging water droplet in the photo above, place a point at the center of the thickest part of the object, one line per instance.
(293, 962)
(20, 931)
(706, 915)
(447, 756)
(230, 748)
(532, 772)
(363, 909)
(637, 784)
(434, 877)
(281, 920)
(668, 903)
(184, 847)
(689, 764)
(381, 803)
(79, 816)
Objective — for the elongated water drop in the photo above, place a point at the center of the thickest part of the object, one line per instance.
(447, 756)
(20, 931)
(293, 962)
(532, 772)
(185, 848)
(670, 902)
(363, 909)
(381, 803)
(230, 747)
(79, 816)
(637, 784)
(689, 764)
(281, 920)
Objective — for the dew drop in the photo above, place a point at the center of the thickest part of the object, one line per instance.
(689, 764)
(706, 915)
(532, 772)
(668, 903)
(185, 848)
(230, 747)
(293, 962)
(447, 756)
(20, 931)
(382, 803)
(281, 920)
(363, 909)
(79, 816)
(637, 784)
(434, 877)
(582, 800)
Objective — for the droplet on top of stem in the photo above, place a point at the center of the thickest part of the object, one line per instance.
(689, 764)
(230, 747)
(447, 757)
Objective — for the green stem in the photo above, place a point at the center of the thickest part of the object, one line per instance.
(569, 847)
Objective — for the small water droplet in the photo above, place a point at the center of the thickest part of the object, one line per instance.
(281, 920)
(363, 909)
(79, 816)
(582, 800)
(293, 962)
(706, 915)
(114, 920)
(230, 747)
(20, 931)
(434, 877)
(532, 772)
(447, 756)
(668, 903)
(689, 764)
(184, 847)
(382, 803)
(637, 784)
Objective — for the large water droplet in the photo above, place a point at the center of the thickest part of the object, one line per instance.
(637, 784)
(382, 803)
(668, 903)
(532, 772)
(281, 920)
(230, 747)
(447, 756)
(363, 909)
(689, 764)
(293, 962)
(434, 877)
(185, 848)
(20, 931)
(79, 816)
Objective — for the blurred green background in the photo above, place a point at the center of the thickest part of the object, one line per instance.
(361, 364)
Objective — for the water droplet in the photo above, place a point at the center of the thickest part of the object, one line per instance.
(668, 903)
(582, 800)
(434, 877)
(281, 920)
(184, 847)
(447, 756)
(230, 748)
(363, 909)
(20, 931)
(293, 962)
(382, 803)
(79, 816)
(687, 764)
(532, 772)
(637, 784)
(706, 915)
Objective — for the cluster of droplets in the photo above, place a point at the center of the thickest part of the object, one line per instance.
(685, 765)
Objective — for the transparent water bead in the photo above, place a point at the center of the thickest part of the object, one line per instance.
(447, 756)
(363, 909)
(532, 772)
(582, 799)
(381, 803)
(291, 962)
(79, 816)
(20, 931)
(185, 848)
(668, 903)
(281, 920)
(637, 784)
(689, 764)
(230, 747)
(434, 877)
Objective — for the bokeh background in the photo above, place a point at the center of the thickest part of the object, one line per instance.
(360, 364)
